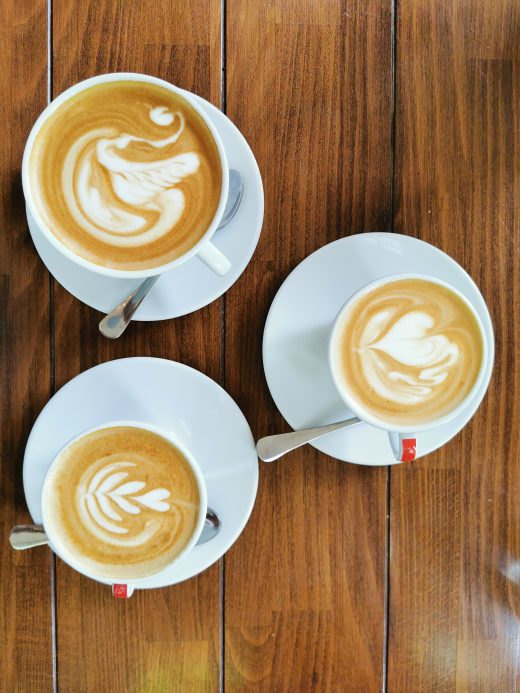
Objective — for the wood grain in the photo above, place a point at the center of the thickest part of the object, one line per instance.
(25, 578)
(309, 82)
(304, 585)
(159, 639)
(455, 538)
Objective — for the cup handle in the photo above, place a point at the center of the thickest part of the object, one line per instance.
(122, 591)
(404, 446)
(214, 259)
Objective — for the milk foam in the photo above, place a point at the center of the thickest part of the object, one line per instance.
(126, 175)
(118, 214)
(409, 351)
(123, 499)
(161, 115)
(106, 500)
(413, 341)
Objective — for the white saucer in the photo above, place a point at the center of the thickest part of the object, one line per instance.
(298, 327)
(177, 398)
(192, 285)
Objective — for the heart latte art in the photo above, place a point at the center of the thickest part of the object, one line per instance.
(126, 174)
(123, 500)
(409, 351)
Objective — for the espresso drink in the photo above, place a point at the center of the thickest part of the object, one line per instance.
(126, 175)
(122, 501)
(408, 352)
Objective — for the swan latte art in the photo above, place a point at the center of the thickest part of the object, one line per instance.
(123, 501)
(126, 174)
(408, 351)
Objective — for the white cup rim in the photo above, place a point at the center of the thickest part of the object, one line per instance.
(55, 241)
(354, 406)
(68, 557)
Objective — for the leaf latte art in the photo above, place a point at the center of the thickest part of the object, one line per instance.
(106, 491)
(124, 500)
(409, 351)
(126, 174)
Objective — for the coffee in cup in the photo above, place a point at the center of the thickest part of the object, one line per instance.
(126, 175)
(122, 503)
(408, 351)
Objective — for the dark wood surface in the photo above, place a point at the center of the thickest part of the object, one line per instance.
(313, 615)
(25, 580)
(399, 116)
(454, 520)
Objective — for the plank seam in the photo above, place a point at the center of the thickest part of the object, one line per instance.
(393, 134)
(52, 378)
(222, 574)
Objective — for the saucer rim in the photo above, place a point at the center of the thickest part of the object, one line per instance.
(254, 233)
(193, 372)
(471, 406)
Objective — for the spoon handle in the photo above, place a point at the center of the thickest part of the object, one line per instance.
(115, 323)
(271, 448)
(27, 537)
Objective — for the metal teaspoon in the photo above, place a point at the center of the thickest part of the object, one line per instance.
(28, 536)
(271, 448)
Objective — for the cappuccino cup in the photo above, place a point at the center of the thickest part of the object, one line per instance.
(123, 502)
(407, 353)
(127, 177)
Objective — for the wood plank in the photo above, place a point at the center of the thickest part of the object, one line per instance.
(488, 665)
(455, 536)
(160, 639)
(25, 577)
(309, 84)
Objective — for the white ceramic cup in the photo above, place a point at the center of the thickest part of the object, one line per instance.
(204, 249)
(122, 587)
(402, 439)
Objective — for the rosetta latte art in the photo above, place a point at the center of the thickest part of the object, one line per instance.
(409, 351)
(107, 500)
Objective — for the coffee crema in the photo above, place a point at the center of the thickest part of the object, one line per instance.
(123, 501)
(408, 352)
(126, 174)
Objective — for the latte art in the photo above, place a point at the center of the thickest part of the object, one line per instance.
(128, 174)
(409, 351)
(418, 360)
(124, 500)
(99, 499)
(115, 213)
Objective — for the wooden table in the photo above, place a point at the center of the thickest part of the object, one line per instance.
(364, 115)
